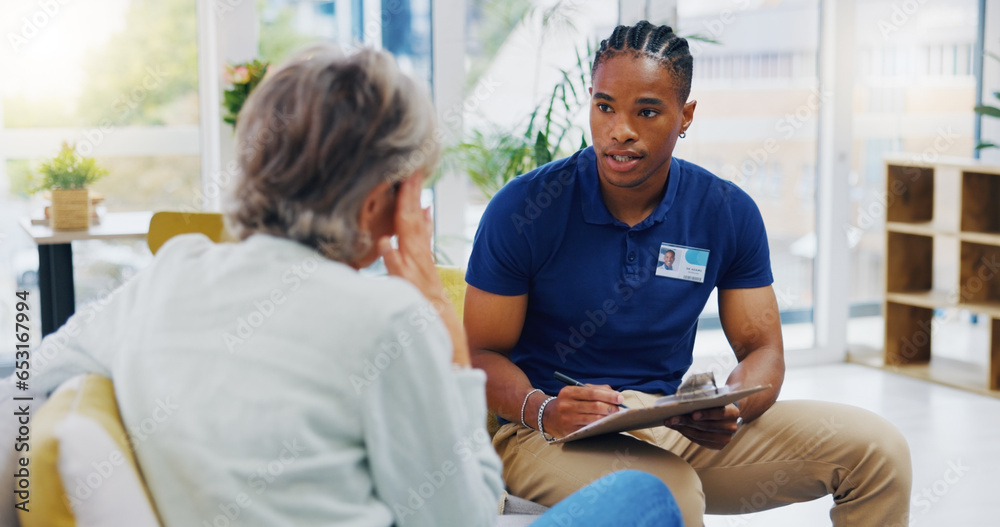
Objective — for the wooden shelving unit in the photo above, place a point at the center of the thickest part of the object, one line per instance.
(942, 251)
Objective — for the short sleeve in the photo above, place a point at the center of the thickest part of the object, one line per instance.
(501, 253)
(751, 265)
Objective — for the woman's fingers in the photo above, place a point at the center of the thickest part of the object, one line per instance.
(393, 261)
(411, 219)
(413, 259)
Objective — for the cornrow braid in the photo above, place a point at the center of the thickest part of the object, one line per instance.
(657, 42)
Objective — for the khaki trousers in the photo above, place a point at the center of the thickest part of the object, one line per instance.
(797, 451)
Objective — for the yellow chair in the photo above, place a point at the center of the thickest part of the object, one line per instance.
(83, 469)
(167, 224)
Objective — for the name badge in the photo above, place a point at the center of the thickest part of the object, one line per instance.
(682, 263)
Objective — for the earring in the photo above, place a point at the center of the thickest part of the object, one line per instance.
(683, 135)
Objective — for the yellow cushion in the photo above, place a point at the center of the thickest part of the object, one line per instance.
(167, 224)
(454, 285)
(83, 471)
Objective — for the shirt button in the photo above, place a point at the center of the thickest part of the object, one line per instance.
(631, 234)
(631, 257)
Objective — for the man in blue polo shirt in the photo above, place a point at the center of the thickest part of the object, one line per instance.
(564, 276)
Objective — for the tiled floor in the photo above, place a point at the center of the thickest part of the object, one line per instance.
(954, 440)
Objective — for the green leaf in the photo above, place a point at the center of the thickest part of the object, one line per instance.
(542, 154)
(991, 111)
(569, 83)
(583, 141)
(982, 146)
(994, 55)
(701, 38)
(531, 122)
(68, 170)
(997, 95)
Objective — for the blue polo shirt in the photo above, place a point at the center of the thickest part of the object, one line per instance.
(597, 309)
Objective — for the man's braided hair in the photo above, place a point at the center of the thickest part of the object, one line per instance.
(658, 42)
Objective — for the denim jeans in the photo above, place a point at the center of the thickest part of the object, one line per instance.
(628, 498)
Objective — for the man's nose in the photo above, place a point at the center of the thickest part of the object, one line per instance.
(622, 130)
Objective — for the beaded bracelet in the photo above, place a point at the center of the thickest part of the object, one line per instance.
(541, 429)
(525, 404)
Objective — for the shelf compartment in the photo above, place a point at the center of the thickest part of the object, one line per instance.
(924, 228)
(980, 274)
(980, 196)
(911, 193)
(909, 262)
(907, 334)
(927, 299)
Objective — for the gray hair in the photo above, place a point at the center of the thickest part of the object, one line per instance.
(317, 136)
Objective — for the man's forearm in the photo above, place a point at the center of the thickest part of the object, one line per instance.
(764, 365)
(506, 386)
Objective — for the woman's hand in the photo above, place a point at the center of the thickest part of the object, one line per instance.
(413, 261)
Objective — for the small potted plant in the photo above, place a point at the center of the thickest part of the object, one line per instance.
(67, 176)
(242, 78)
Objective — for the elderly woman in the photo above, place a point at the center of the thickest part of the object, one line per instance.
(297, 388)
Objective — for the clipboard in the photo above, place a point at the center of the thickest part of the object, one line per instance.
(696, 393)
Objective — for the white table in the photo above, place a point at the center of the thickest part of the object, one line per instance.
(55, 259)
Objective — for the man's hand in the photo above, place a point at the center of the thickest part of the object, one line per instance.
(711, 428)
(578, 406)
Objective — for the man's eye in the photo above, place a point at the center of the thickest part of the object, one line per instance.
(648, 113)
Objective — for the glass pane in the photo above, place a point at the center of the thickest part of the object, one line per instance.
(914, 93)
(406, 33)
(402, 27)
(289, 25)
(756, 125)
(103, 63)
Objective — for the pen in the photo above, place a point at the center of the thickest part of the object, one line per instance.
(573, 382)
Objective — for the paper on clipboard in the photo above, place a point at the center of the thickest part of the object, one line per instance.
(672, 405)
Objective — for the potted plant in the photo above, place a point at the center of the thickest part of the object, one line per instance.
(67, 176)
(242, 78)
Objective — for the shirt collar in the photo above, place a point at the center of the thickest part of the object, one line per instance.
(594, 209)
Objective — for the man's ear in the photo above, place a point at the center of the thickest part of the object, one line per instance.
(688, 114)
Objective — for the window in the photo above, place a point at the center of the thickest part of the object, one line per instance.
(756, 125)
(915, 91)
(117, 78)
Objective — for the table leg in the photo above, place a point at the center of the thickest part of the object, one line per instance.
(55, 283)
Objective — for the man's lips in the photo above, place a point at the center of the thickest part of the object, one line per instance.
(622, 160)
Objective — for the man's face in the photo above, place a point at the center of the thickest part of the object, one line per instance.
(635, 118)
(668, 259)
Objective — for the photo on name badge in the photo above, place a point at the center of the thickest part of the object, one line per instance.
(684, 263)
